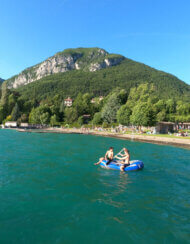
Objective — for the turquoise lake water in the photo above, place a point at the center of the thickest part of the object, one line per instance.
(50, 191)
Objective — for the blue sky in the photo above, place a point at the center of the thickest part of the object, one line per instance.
(156, 33)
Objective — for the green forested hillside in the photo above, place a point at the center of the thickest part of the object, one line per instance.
(125, 75)
(134, 93)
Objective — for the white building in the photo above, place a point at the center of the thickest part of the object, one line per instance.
(24, 125)
(68, 102)
(10, 124)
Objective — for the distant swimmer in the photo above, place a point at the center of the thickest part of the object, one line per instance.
(108, 157)
(125, 159)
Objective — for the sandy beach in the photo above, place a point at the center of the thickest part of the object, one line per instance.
(184, 142)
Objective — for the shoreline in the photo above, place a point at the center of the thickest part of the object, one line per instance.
(180, 142)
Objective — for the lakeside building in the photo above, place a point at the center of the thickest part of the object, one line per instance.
(25, 126)
(183, 126)
(165, 127)
(68, 102)
(11, 124)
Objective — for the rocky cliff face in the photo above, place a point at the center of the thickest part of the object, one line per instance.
(88, 59)
(107, 62)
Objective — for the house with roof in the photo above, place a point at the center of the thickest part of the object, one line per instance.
(68, 102)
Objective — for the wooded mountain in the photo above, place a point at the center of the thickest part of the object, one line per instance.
(95, 71)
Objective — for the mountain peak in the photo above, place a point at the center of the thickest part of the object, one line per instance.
(87, 59)
(84, 51)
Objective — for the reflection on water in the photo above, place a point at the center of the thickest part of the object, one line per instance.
(114, 183)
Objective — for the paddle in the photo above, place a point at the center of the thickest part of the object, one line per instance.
(119, 152)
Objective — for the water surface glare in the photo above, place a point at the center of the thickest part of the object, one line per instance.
(50, 191)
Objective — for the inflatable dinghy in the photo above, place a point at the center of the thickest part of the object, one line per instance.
(134, 165)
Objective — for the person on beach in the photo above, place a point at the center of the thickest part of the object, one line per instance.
(125, 159)
(108, 157)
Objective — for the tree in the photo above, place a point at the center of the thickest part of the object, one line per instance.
(183, 108)
(110, 109)
(80, 120)
(160, 106)
(34, 117)
(40, 115)
(54, 109)
(11, 102)
(142, 93)
(161, 116)
(97, 119)
(123, 115)
(122, 94)
(142, 115)
(78, 105)
(4, 94)
(45, 118)
(62, 107)
(82, 104)
(170, 106)
(15, 113)
(56, 100)
(54, 120)
(4, 101)
(70, 115)
(2, 113)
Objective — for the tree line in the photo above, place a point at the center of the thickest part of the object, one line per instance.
(140, 106)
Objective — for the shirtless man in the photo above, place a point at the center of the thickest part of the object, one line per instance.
(125, 159)
(108, 157)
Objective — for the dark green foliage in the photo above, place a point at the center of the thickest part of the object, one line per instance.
(80, 120)
(97, 120)
(126, 75)
(110, 109)
(24, 118)
(15, 113)
(2, 113)
(54, 120)
(40, 115)
(147, 95)
(83, 105)
(80, 105)
(142, 115)
(62, 107)
(70, 115)
(142, 107)
(4, 94)
(123, 115)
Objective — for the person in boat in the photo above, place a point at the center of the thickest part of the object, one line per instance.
(125, 159)
(108, 157)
